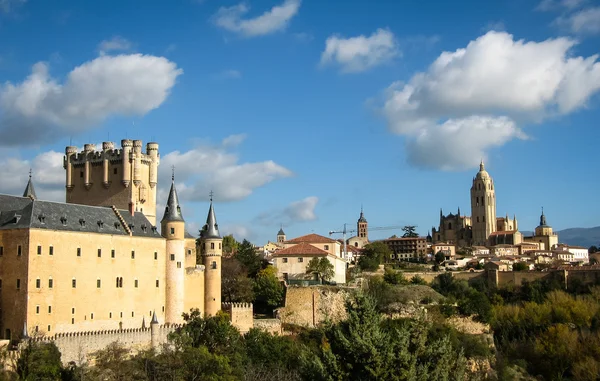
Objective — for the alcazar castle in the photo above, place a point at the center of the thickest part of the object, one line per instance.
(98, 262)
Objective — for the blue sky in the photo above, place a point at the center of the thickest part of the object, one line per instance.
(297, 112)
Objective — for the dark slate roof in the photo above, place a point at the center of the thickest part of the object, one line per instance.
(280, 232)
(23, 212)
(172, 210)
(29, 190)
(211, 229)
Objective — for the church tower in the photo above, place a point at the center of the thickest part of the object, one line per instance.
(173, 229)
(211, 257)
(483, 207)
(362, 226)
(281, 236)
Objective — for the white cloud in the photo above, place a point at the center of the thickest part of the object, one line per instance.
(357, 54)
(552, 5)
(472, 97)
(40, 109)
(273, 20)
(585, 21)
(297, 211)
(212, 167)
(117, 43)
(239, 231)
(48, 175)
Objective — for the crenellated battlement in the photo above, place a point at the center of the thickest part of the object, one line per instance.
(241, 315)
(229, 306)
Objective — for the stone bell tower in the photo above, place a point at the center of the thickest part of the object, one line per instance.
(125, 177)
(483, 207)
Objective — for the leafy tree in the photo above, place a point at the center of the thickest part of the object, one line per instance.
(39, 361)
(440, 257)
(394, 277)
(520, 266)
(268, 289)
(235, 284)
(230, 245)
(112, 363)
(321, 266)
(593, 249)
(247, 256)
(416, 279)
(409, 231)
(373, 255)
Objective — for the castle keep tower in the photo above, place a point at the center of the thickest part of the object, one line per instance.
(125, 178)
(483, 207)
(172, 228)
(362, 226)
(211, 242)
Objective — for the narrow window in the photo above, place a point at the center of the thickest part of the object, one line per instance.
(157, 283)
(49, 309)
(121, 314)
(19, 250)
(81, 174)
(99, 253)
(51, 250)
(300, 259)
(38, 283)
(190, 252)
(73, 310)
(132, 314)
(172, 230)
(39, 250)
(74, 283)
(72, 320)
(49, 328)
(112, 253)
(219, 246)
(172, 257)
(79, 251)
(121, 282)
(37, 309)
(178, 265)
(18, 284)
(92, 316)
(1, 251)
(155, 255)
(284, 260)
(212, 245)
(115, 170)
(135, 283)
(132, 254)
(98, 283)
(213, 265)
(326, 247)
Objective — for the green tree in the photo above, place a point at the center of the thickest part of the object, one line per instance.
(416, 279)
(235, 284)
(373, 255)
(394, 277)
(230, 245)
(520, 266)
(593, 249)
(410, 231)
(247, 256)
(268, 289)
(322, 267)
(39, 361)
(439, 257)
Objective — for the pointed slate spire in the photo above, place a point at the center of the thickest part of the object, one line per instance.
(542, 218)
(172, 210)
(362, 215)
(281, 232)
(211, 229)
(29, 190)
(154, 319)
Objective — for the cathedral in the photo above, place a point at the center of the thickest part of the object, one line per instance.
(98, 261)
(476, 230)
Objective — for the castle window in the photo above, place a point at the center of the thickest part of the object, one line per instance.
(178, 265)
(73, 310)
(79, 251)
(72, 320)
(477, 218)
(284, 260)
(355, 244)
(49, 309)
(81, 174)
(172, 230)
(213, 265)
(219, 246)
(121, 314)
(49, 328)
(74, 283)
(450, 226)
(50, 283)
(212, 245)
(115, 170)
(326, 247)
(132, 254)
(155, 255)
(38, 283)
(119, 282)
(110, 315)
(135, 283)
(172, 257)
(477, 201)
(132, 314)
(189, 252)
(39, 250)
(98, 283)
(19, 250)
(19, 283)
(51, 250)
(163, 308)
(157, 283)
(300, 259)
(92, 316)
(37, 310)
(1, 251)
(99, 253)
(112, 253)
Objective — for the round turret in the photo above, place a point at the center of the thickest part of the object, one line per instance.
(87, 148)
(70, 150)
(108, 146)
(126, 143)
(137, 146)
(151, 147)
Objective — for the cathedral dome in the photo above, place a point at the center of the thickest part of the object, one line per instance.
(482, 174)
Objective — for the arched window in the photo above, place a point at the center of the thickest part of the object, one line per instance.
(212, 245)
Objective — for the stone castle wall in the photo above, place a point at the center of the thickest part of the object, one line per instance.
(272, 326)
(309, 306)
(241, 315)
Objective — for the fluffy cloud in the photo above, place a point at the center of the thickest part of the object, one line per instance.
(117, 43)
(472, 97)
(551, 5)
(40, 109)
(273, 20)
(585, 21)
(297, 211)
(357, 54)
(214, 167)
(48, 175)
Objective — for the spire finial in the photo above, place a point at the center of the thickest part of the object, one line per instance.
(172, 173)
(211, 194)
(481, 165)
(30, 173)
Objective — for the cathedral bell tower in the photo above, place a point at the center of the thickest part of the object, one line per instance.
(362, 226)
(483, 207)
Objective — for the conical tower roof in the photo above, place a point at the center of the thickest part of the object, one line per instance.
(29, 190)
(362, 216)
(281, 232)
(172, 210)
(211, 229)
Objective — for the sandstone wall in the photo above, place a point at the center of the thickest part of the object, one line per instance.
(309, 306)
(272, 326)
(241, 315)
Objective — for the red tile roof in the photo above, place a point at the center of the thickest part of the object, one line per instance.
(311, 238)
(302, 248)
